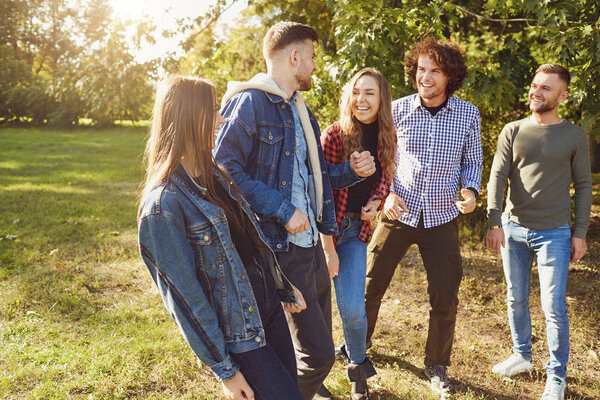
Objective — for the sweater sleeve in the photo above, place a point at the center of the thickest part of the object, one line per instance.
(582, 182)
(499, 176)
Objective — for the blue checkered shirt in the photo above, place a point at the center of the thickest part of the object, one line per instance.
(433, 154)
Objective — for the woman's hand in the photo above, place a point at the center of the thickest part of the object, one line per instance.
(368, 211)
(237, 388)
(331, 256)
(298, 306)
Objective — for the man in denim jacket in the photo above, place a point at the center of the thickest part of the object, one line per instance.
(270, 146)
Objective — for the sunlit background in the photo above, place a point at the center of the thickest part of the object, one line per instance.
(166, 14)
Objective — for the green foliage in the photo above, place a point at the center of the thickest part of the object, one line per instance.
(65, 61)
(504, 41)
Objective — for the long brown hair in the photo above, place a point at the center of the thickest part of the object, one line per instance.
(350, 126)
(183, 126)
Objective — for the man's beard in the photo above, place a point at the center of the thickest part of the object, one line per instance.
(304, 83)
(545, 107)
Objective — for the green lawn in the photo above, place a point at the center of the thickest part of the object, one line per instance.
(80, 318)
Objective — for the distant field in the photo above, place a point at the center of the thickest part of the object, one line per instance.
(80, 319)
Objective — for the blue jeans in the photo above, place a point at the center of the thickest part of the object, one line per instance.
(350, 288)
(270, 370)
(552, 248)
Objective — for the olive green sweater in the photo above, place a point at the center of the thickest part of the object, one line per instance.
(538, 161)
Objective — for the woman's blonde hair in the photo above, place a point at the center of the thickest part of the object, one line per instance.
(183, 121)
(350, 126)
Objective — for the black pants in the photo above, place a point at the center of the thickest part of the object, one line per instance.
(306, 268)
(440, 251)
(270, 370)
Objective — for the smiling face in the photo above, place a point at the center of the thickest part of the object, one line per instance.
(431, 82)
(546, 93)
(365, 99)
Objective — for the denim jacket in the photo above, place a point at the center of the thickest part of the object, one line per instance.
(257, 145)
(185, 243)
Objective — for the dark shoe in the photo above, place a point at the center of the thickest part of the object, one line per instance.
(323, 394)
(440, 383)
(360, 390)
(340, 352)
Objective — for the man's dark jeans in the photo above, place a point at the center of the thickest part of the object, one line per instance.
(270, 370)
(440, 251)
(306, 268)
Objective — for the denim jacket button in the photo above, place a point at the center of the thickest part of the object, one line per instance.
(206, 238)
(251, 309)
(220, 215)
(279, 246)
(289, 121)
(283, 106)
(287, 153)
(243, 276)
(227, 368)
(257, 339)
(283, 183)
(233, 245)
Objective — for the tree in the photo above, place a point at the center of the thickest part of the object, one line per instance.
(67, 60)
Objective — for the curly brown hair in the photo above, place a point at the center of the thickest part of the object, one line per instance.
(447, 55)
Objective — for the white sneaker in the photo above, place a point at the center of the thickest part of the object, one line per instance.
(555, 388)
(515, 364)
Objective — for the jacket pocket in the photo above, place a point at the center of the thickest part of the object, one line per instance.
(270, 141)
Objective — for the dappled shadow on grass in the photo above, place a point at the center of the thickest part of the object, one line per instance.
(459, 387)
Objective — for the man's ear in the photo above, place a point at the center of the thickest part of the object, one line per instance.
(563, 96)
(294, 56)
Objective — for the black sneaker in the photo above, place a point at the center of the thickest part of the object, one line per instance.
(439, 380)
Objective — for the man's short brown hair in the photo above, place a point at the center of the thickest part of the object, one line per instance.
(283, 33)
(447, 55)
(559, 70)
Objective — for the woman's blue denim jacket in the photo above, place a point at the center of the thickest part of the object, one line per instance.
(185, 242)
(256, 145)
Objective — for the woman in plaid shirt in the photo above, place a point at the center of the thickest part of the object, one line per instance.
(365, 124)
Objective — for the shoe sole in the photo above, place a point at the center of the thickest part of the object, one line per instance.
(520, 371)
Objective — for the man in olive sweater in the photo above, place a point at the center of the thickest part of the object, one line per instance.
(538, 156)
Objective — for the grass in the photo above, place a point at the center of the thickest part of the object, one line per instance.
(80, 318)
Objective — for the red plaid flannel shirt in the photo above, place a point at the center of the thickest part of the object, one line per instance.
(331, 141)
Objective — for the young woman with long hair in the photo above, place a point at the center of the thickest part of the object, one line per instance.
(365, 124)
(218, 279)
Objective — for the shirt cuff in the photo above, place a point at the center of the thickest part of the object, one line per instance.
(494, 218)
(285, 212)
(579, 232)
(225, 370)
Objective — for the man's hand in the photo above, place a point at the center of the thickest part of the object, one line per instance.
(394, 206)
(237, 388)
(298, 306)
(495, 238)
(578, 249)
(368, 211)
(363, 163)
(298, 223)
(468, 204)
